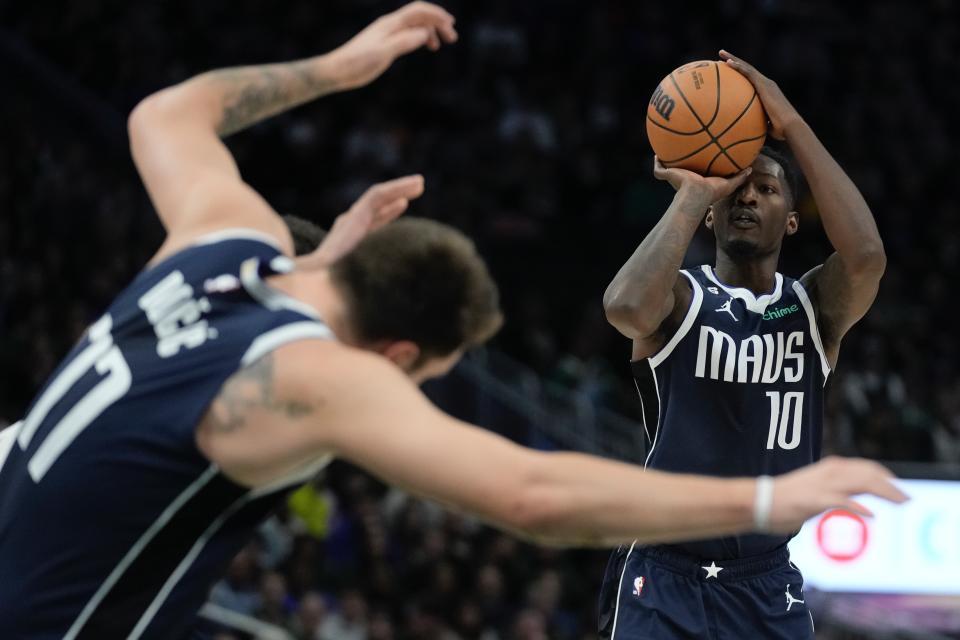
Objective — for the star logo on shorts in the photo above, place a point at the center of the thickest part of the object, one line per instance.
(713, 571)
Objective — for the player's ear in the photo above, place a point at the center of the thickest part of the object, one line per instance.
(793, 222)
(402, 353)
(709, 219)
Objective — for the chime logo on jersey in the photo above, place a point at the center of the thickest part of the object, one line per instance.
(766, 358)
(176, 315)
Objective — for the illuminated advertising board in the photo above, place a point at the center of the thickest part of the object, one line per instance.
(909, 548)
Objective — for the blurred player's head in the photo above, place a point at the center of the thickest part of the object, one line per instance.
(415, 291)
(753, 220)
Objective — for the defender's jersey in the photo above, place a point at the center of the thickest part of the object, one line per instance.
(112, 523)
(737, 391)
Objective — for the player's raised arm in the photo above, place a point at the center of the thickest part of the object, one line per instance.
(367, 412)
(845, 285)
(175, 134)
(648, 290)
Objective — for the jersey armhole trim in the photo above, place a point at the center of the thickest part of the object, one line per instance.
(7, 437)
(236, 233)
(814, 330)
(276, 338)
(692, 312)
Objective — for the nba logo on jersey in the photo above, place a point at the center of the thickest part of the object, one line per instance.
(638, 583)
(175, 315)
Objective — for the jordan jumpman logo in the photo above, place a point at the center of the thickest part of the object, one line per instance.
(791, 600)
(726, 307)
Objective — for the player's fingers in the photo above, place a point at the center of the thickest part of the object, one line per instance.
(855, 507)
(742, 66)
(433, 42)
(407, 40)
(448, 32)
(389, 212)
(409, 187)
(884, 488)
(659, 171)
(866, 476)
(420, 14)
(738, 178)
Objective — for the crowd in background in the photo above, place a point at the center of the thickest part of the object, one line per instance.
(530, 133)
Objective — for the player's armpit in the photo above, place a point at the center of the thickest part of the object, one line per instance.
(841, 294)
(680, 301)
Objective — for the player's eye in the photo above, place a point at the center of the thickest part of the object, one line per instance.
(767, 189)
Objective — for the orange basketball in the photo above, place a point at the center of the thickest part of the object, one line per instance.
(706, 117)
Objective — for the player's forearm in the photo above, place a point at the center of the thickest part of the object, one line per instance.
(621, 503)
(637, 300)
(846, 217)
(231, 99)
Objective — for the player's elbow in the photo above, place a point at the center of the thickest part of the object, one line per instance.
(147, 120)
(629, 318)
(542, 512)
(869, 261)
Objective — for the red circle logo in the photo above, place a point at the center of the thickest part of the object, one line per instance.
(842, 535)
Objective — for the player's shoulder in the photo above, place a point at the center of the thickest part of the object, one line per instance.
(273, 234)
(331, 368)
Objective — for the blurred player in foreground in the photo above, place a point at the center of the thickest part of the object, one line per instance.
(227, 373)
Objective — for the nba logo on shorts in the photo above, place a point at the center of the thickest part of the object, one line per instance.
(638, 583)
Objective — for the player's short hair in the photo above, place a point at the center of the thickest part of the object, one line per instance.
(419, 280)
(790, 172)
(307, 236)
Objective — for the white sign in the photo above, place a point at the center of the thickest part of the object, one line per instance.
(909, 548)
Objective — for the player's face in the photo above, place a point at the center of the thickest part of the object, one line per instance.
(753, 220)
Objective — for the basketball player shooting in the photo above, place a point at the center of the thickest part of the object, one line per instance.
(737, 356)
(227, 373)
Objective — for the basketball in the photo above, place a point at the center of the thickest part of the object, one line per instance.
(706, 117)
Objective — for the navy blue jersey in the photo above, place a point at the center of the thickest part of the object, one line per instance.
(112, 523)
(736, 391)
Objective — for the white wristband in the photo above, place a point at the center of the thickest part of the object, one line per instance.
(763, 503)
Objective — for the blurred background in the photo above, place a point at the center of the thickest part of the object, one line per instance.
(530, 132)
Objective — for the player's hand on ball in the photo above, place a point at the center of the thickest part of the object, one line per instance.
(708, 188)
(779, 110)
(379, 205)
(828, 484)
(368, 54)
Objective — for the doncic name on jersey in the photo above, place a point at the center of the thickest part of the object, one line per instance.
(176, 315)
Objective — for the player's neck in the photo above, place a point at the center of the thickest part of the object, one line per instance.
(756, 274)
(316, 289)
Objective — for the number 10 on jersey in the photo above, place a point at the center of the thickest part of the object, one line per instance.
(786, 419)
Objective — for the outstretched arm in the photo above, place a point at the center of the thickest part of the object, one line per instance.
(369, 413)
(648, 292)
(175, 134)
(845, 285)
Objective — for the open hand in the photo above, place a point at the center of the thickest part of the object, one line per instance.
(379, 205)
(829, 484)
(778, 108)
(368, 54)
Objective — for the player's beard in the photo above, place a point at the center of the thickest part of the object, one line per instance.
(741, 249)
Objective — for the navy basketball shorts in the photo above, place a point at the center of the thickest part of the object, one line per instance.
(650, 593)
